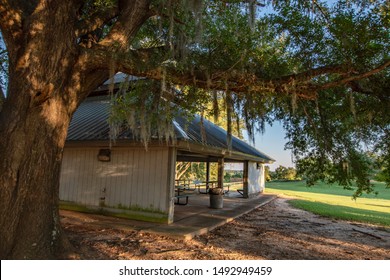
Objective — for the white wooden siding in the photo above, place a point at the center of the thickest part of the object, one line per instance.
(134, 178)
(255, 178)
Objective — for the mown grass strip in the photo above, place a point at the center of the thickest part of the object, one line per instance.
(335, 202)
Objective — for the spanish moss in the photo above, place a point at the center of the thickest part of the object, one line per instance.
(229, 112)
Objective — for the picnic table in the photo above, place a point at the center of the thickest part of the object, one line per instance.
(180, 193)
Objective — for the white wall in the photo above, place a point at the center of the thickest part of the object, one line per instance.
(134, 178)
(256, 180)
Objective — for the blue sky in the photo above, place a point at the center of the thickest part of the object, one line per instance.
(272, 143)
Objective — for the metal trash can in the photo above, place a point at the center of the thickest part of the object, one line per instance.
(216, 198)
(216, 201)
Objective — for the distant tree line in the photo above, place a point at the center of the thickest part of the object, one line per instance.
(281, 173)
(377, 168)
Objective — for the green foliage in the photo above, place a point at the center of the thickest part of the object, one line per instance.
(383, 165)
(331, 135)
(239, 174)
(227, 176)
(352, 31)
(197, 171)
(267, 174)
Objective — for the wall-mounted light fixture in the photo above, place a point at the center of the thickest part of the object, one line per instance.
(104, 155)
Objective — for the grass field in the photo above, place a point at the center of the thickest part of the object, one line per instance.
(335, 202)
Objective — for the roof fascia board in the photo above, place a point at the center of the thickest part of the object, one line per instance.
(118, 143)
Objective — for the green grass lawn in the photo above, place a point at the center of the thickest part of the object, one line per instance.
(335, 202)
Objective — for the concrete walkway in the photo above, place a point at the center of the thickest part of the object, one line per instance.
(192, 219)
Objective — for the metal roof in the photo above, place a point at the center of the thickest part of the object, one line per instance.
(90, 123)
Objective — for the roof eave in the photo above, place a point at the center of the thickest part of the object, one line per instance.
(219, 152)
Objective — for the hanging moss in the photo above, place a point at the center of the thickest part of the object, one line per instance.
(143, 111)
(229, 113)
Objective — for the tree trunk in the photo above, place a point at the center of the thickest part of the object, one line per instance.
(50, 73)
(41, 98)
(31, 152)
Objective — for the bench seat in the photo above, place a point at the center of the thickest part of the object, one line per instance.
(182, 196)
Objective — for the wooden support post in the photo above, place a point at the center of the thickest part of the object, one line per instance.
(207, 173)
(170, 184)
(245, 179)
(221, 163)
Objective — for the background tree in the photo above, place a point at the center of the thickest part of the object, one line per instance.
(193, 171)
(303, 65)
(280, 172)
(181, 169)
(267, 173)
(285, 173)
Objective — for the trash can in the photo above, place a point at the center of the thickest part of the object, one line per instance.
(216, 198)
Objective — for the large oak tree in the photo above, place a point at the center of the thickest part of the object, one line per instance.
(298, 65)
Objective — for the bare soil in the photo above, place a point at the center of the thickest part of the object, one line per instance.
(274, 231)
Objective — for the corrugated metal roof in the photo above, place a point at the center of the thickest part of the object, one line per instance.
(215, 136)
(90, 123)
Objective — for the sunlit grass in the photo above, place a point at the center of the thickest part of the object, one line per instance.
(335, 202)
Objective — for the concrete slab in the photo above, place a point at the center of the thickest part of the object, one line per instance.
(192, 219)
(197, 217)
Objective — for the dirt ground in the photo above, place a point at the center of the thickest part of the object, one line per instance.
(274, 231)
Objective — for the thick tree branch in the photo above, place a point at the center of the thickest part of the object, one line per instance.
(352, 78)
(315, 72)
(96, 21)
(132, 16)
(153, 63)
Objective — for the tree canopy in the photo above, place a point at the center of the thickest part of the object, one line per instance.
(321, 69)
